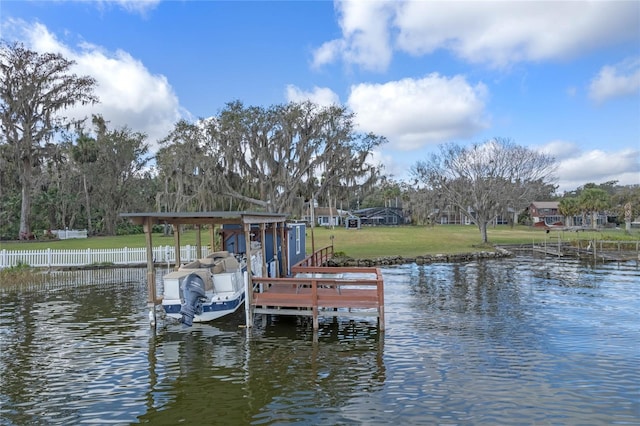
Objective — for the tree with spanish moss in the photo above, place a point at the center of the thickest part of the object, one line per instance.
(36, 90)
(271, 158)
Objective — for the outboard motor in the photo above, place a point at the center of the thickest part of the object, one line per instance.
(192, 291)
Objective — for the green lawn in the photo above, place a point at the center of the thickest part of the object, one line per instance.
(410, 241)
(368, 242)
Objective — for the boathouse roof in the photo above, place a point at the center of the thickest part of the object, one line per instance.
(217, 217)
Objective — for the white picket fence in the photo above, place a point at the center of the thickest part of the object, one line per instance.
(86, 257)
(65, 234)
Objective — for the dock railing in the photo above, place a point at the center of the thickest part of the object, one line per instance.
(318, 258)
(322, 291)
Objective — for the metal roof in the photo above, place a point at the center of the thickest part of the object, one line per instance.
(545, 204)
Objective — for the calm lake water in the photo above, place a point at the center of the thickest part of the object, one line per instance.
(515, 341)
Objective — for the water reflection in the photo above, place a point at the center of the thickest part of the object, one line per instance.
(70, 351)
(522, 340)
(280, 371)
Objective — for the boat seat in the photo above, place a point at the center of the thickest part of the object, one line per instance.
(203, 273)
(230, 264)
(207, 262)
(191, 265)
(218, 254)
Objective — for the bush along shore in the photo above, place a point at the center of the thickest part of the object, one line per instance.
(420, 260)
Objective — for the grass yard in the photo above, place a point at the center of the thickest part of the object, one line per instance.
(410, 241)
(365, 243)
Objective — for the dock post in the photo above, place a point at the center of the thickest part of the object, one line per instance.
(380, 288)
(151, 272)
(314, 308)
(176, 243)
(316, 324)
(263, 247)
(198, 242)
(284, 247)
(212, 237)
(248, 298)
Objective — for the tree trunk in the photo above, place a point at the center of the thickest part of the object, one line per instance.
(110, 223)
(25, 209)
(482, 225)
(628, 214)
(87, 203)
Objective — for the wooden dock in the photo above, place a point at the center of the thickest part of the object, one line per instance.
(597, 250)
(321, 291)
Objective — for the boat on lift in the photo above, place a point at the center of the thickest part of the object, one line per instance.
(208, 288)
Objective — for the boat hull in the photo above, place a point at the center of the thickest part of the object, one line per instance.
(219, 284)
(211, 310)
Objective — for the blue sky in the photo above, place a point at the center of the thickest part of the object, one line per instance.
(559, 77)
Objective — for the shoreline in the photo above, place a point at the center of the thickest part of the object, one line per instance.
(422, 259)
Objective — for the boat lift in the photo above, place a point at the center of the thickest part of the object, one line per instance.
(249, 221)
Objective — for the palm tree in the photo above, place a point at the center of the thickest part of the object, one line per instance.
(569, 207)
(594, 200)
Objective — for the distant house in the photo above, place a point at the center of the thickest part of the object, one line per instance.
(452, 216)
(374, 216)
(545, 212)
(324, 216)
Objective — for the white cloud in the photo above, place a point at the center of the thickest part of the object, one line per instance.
(618, 80)
(132, 6)
(576, 168)
(394, 166)
(319, 95)
(129, 94)
(365, 31)
(494, 33)
(412, 113)
(560, 149)
(139, 6)
(327, 53)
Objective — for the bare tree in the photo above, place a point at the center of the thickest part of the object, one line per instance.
(484, 180)
(35, 89)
